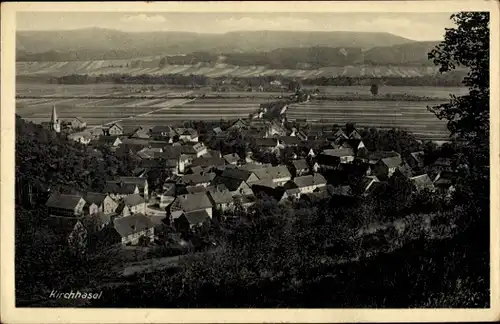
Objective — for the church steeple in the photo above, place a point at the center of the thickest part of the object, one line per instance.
(54, 122)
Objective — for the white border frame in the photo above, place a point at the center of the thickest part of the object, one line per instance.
(64, 315)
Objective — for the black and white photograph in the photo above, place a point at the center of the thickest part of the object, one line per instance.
(253, 159)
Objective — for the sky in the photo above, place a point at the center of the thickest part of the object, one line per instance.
(415, 26)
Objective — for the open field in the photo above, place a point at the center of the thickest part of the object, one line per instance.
(212, 70)
(411, 116)
(434, 92)
(105, 103)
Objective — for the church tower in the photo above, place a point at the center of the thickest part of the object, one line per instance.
(55, 125)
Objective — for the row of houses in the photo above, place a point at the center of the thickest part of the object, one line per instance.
(205, 183)
(116, 130)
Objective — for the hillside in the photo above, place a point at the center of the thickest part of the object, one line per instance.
(103, 44)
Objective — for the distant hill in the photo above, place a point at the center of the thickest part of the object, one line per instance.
(108, 44)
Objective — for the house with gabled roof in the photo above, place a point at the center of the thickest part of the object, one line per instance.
(111, 141)
(187, 134)
(133, 227)
(244, 175)
(76, 123)
(309, 183)
(140, 132)
(148, 153)
(190, 221)
(189, 203)
(208, 161)
(355, 135)
(422, 182)
(232, 158)
(237, 187)
(239, 124)
(164, 132)
(278, 174)
(194, 150)
(113, 129)
(131, 204)
(292, 141)
(332, 157)
(64, 205)
(416, 159)
(117, 190)
(99, 202)
(81, 137)
(339, 136)
(221, 198)
(366, 184)
(216, 130)
(385, 167)
(198, 179)
(141, 183)
(300, 167)
(403, 170)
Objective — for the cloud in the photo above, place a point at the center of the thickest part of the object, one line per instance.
(143, 18)
(254, 23)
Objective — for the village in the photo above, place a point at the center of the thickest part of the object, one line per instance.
(203, 186)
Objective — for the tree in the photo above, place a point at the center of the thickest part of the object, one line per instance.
(374, 89)
(466, 45)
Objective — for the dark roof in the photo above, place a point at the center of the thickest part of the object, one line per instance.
(300, 164)
(140, 182)
(192, 149)
(422, 180)
(340, 152)
(186, 131)
(107, 139)
(126, 226)
(230, 183)
(309, 180)
(365, 181)
(405, 170)
(220, 195)
(118, 188)
(231, 158)
(252, 166)
(418, 156)
(376, 156)
(63, 201)
(197, 178)
(237, 174)
(169, 152)
(133, 200)
(163, 129)
(153, 163)
(392, 162)
(275, 172)
(195, 201)
(95, 198)
(196, 189)
(291, 140)
(265, 142)
(138, 171)
(355, 135)
(269, 183)
(208, 161)
(197, 217)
